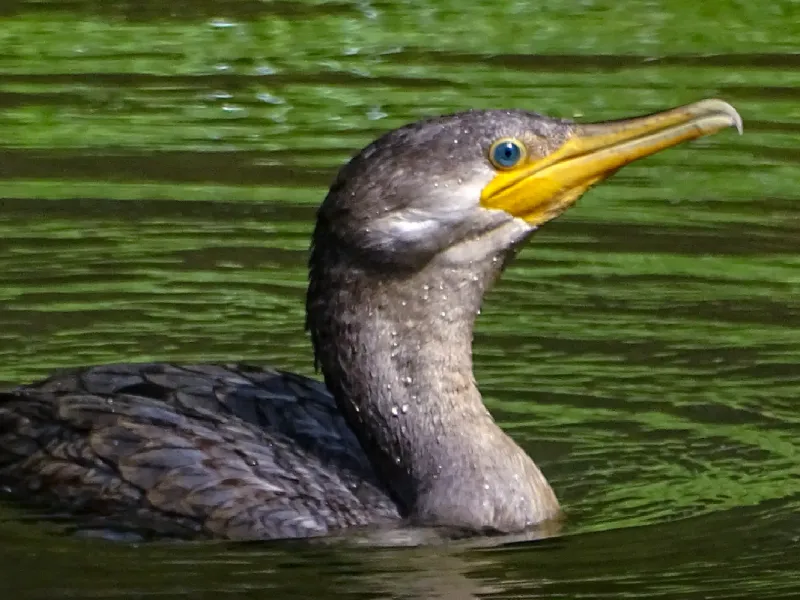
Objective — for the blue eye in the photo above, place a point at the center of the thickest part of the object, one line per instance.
(506, 153)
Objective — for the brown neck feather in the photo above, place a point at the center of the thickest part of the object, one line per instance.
(396, 352)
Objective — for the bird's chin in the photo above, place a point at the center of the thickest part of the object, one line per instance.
(491, 246)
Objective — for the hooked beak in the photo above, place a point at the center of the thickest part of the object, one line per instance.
(542, 188)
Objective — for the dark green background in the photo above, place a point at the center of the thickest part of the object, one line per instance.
(160, 164)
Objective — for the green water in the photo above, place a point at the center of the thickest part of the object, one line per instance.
(160, 164)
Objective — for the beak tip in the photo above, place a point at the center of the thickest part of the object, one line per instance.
(723, 107)
(738, 123)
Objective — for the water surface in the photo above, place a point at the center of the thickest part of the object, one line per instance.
(160, 165)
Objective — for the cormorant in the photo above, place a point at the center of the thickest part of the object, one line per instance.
(414, 230)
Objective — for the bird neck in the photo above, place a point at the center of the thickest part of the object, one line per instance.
(396, 352)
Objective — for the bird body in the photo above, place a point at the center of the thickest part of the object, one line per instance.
(232, 451)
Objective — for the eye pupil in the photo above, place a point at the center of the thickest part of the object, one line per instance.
(506, 153)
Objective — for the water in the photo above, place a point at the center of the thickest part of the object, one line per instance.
(160, 164)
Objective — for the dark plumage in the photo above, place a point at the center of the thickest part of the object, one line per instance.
(412, 233)
(216, 450)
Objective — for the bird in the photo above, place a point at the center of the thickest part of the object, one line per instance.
(413, 231)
